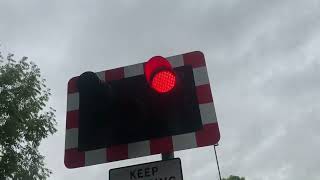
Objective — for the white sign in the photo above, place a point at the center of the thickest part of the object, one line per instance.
(160, 170)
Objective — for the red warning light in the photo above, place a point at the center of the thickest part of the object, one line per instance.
(163, 81)
(159, 74)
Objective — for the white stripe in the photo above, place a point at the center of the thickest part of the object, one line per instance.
(101, 75)
(133, 70)
(139, 149)
(95, 156)
(200, 76)
(208, 113)
(184, 141)
(71, 138)
(176, 61)
(73, 102)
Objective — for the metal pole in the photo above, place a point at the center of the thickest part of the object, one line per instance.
(215, 152)
(166, 156)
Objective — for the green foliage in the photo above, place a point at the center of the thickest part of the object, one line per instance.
(24, 120)
(234, 178)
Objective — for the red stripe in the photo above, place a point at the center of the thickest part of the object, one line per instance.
(195, 59)
(114, 74)
(209, 135)
(74, 158)
(72, 119)
(72, 85)
(116, 153)
(204, 94)
(161, 145)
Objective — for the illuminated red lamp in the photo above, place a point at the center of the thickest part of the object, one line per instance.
(159, 74)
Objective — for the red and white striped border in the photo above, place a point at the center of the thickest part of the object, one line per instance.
(209, 135)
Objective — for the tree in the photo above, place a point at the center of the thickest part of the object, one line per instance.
(24, 120)
(234, 178)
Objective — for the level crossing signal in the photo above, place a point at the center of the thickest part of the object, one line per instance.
(159, 106)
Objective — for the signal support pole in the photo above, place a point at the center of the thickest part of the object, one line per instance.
(166, 156)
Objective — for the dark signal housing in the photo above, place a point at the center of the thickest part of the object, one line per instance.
(152, 105)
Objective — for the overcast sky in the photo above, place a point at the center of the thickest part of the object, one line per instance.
(263, 61)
